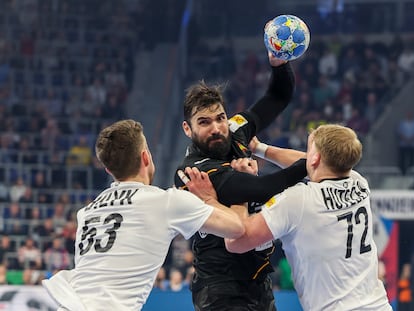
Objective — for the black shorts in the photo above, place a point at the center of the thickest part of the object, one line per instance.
(236, 296)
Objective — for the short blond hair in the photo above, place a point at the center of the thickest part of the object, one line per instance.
(338, 145)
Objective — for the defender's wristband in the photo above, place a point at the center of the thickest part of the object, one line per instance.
(260, 150)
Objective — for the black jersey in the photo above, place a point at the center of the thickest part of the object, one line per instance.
(213, 263)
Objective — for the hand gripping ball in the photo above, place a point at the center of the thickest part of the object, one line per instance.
(287, 37)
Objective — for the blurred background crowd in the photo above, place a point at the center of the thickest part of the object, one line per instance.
(68, 68)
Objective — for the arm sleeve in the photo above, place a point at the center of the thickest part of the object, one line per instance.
(241, 187)
(276, 98)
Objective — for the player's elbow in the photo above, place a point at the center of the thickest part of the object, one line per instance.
(232, 225)
(238, 230)
(231, 228)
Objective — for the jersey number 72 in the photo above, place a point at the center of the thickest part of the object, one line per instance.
(350, 217)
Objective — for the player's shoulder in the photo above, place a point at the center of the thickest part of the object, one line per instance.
(240, 120)
(181, 198)
(300, 190)
(168, 195)
(291, 193)
(300, 187)
(204, 163)
(357, 176)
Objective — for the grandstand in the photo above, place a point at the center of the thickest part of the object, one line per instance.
(66, 70)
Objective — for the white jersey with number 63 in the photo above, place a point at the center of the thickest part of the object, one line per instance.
(122, 239)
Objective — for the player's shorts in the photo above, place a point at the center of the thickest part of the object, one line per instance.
(236, 296)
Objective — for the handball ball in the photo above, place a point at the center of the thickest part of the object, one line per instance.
(287, 37)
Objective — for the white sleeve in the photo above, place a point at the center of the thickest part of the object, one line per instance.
(283, 212)
(187, 213)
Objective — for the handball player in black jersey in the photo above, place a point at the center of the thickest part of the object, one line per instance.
(222, 280)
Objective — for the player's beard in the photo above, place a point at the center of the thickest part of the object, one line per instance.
(218, 149)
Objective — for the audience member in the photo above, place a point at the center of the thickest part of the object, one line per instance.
(18, 189)
(405, 135)
(26, 155)
(372, 109)
(358, 123)
(395, 76)
(175, 280)
(406, 59)
(69, 235)
(80, 153)
(39, 181)
(32, 276)
(43, 232)
(29, 255)
(56, 257)
(59, 217)
(27, 196)
(33, 214)
(404, 289)
(7, 249)
(161, 279)
(180, 255)
(14, 222)
(96, 92)
(328, 63)
(49, 135)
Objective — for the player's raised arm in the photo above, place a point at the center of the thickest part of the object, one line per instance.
(286, 38)
(278, 94)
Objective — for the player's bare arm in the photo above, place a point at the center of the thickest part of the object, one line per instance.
(223, 222)
(256, 233)
(282, 157)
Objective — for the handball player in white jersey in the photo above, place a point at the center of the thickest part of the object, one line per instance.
(325, 226)
(123, 236)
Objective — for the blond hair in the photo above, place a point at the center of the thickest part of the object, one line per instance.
(338, 145)
(118, 147)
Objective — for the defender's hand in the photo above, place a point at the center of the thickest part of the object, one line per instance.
(245, 165)
(198, 183)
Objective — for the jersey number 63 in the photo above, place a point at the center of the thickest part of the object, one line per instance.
(89, 231)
